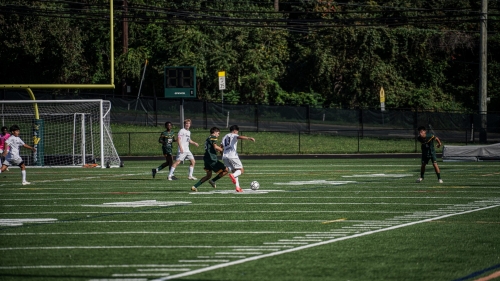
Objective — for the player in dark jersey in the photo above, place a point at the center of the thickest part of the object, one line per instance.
(167, 139)
(211, 161)
(428, 152)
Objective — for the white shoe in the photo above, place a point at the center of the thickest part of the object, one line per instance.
(26, 182)
(170, 178)
(192, 178)
(420, 179)
(440, 181)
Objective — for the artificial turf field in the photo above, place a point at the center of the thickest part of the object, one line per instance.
(328, 219)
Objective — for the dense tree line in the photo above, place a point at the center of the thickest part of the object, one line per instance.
(424, 53)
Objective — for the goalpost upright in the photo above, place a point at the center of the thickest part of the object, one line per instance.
(28, 87)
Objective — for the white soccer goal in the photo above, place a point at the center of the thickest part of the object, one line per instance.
(65, 132)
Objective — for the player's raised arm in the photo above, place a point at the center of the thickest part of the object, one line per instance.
(246, 138)
(29, 147)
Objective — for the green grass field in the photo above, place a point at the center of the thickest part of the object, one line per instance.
(348, 219)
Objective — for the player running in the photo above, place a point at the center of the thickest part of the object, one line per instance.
(230, 155)
(167, 139)
(211, 162)
(11, 151)
(183, 152)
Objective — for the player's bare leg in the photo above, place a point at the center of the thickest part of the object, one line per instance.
(438, 172)
(422, 172)
(201, 181)
(216, 178)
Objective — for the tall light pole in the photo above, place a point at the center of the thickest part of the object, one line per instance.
(483, 62)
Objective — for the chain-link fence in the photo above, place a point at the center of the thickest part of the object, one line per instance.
(301, 123)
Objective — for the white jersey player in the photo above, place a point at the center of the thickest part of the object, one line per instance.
(11, 152)
(183, 152)
(230, 154)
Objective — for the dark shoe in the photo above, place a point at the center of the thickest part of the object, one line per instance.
(154, 173)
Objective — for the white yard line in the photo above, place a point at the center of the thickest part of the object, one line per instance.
(299, 248)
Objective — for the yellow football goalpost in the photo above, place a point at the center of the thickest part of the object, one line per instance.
(28, 87)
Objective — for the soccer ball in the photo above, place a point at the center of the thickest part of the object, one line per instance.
(254, 185)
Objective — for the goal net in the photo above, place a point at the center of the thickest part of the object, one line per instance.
(64, 132)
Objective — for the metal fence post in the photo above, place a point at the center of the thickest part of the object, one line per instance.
(358, 140)
(299, 141)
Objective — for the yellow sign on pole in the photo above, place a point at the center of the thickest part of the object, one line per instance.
(382, 99)
(222, 80)
(382, 94)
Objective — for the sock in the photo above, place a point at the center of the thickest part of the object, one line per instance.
(171, 172)
(23, 172)
(422, 175)
(191, 169)
(237, 182)
(198, 183)
(439, 175)
(161, 167)
(237, 173)
(216, 178)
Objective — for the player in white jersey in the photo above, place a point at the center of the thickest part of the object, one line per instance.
(11, 152)
(183, 152)
(230, 154)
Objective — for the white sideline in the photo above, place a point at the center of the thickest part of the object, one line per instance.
(214, 267)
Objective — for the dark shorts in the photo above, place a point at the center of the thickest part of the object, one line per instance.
(166, 150)
(217, 167)
(429, 156)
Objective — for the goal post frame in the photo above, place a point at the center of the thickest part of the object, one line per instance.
(104, 133)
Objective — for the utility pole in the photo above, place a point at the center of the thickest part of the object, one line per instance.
(125, 27)
(483, 73)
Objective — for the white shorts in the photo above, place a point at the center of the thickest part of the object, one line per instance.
(185, 155)
(233, 163)
(10, 162)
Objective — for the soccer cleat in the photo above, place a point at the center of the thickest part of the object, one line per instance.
(26, 182)
(153, 171)
(192, 178)
(212, 183)
(174, 178)
(193, 188)
(440, 181)
(420, 179)
(238, 189)
(233, 179)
